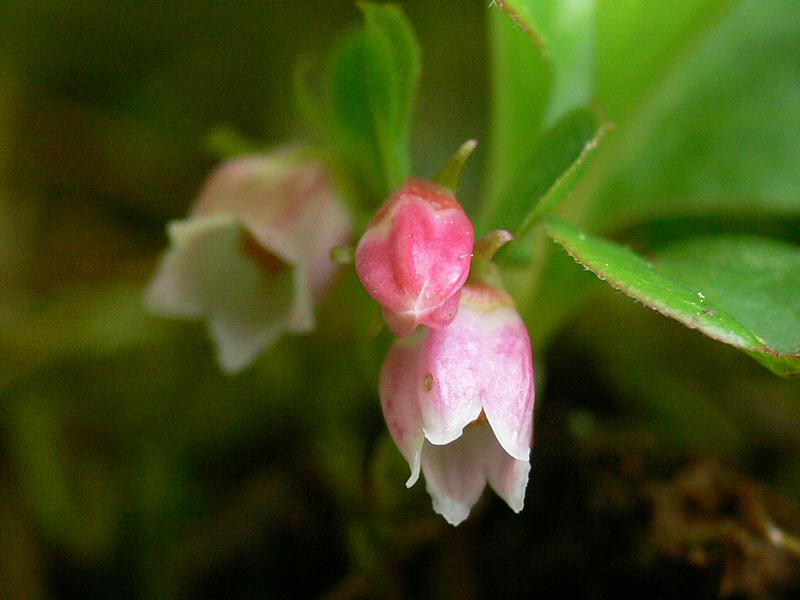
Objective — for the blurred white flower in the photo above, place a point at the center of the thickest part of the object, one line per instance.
(252, 257)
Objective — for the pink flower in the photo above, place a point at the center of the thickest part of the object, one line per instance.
(458, 402)
(253, 256)
(415, 256)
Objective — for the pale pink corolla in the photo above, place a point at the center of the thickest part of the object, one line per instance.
(252, 258)
(458, 402)
(415, 256)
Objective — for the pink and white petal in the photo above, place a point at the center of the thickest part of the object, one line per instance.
(508, 382)
(413, 244)
(397, 389)
(444, 314)
(450, 383)
(455, 474)
(416, 251)
(307, 222)
(433, 241)
(241, 185)
(374, 267)
(507, 476)
(432, 252)
(452, 253)
(401, 323)
(254, 255)
(286, 202)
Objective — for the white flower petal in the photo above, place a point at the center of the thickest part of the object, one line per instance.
(507, 476)
(455, 474)
(239, 342)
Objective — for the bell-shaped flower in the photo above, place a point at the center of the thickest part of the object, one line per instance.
(458, 402)
(252, 258)
(415, 256)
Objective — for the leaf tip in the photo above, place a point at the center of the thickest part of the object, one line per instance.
(450, 174)
(520, 22)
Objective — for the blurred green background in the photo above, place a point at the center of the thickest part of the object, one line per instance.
(132, 468)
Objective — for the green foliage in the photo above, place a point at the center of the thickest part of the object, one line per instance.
(715, 135)
(368, 99)
(705, 287)
(698, 115)
(756, 279)
(638, 44)
(521, 82)
(547, 173)
(564, 34)
(542, 71)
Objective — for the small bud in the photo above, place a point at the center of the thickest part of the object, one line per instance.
(458, 402)
(253, 256)
(415, 256)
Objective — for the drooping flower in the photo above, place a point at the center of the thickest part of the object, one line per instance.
(252, 258)
(415, 256)
(458, 402)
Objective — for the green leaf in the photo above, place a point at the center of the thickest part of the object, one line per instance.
(386, 23)
(367, 103)
(542, 69)
(757, 279)
(547, 173)
(719, 139)
(521, 83)
(637, 44)
(717, 315)
(564, 33)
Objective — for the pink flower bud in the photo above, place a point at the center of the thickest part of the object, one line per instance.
(458, 402)
(415, 255)
(253, 255)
